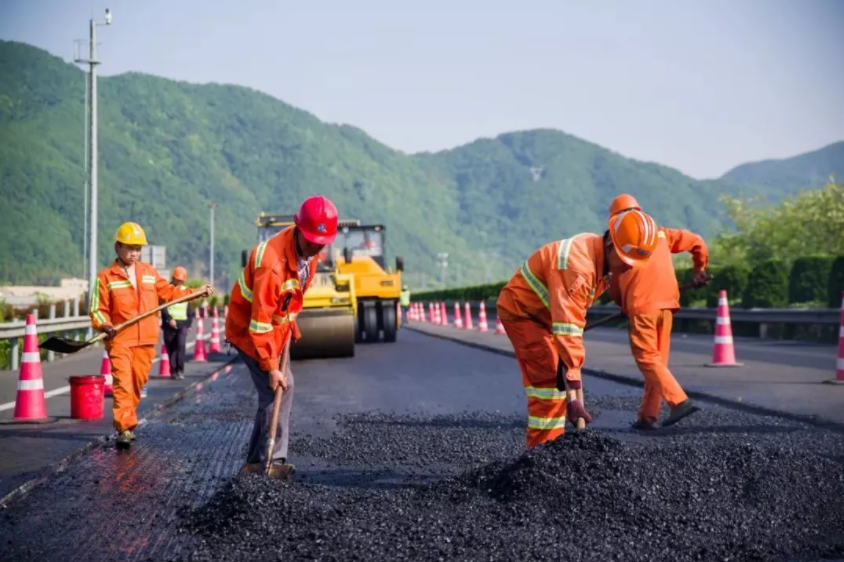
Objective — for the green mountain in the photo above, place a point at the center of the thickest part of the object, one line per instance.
(784, 176)
(168, 148)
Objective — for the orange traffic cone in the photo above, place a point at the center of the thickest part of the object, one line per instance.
(215, 334)
(723, 352)
(164, 363)
(839, 368)
(199, 354)
(467, 323)
(499, 327)
(482, 325)
(105, 372)
(30, 403)
(458, 321)
(443, 315)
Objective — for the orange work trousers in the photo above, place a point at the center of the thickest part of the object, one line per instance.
(130, 371)
(650, 342)
(536, 353)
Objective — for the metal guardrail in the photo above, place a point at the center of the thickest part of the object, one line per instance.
(71, 325)
(827, 316)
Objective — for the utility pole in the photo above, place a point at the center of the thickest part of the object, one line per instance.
(443, 262)
(212, 205)
(92, 63)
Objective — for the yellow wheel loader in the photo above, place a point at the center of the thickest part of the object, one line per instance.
(328, 320)
(377, 287)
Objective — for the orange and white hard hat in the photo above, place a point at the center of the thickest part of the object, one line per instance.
(634, 235)
(180, 274)
(622, 203)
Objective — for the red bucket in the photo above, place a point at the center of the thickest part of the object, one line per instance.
(87, 394)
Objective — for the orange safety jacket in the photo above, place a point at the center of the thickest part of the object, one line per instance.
(554, 287)
(115, 300)
(653, 287)
(266, 300)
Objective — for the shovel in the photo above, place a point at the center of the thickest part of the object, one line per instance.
(66, 346)
(267, 467)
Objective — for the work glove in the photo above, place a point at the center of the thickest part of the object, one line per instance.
(700, 278)
(575, 409)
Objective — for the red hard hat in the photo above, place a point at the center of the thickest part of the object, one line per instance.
(317, 220)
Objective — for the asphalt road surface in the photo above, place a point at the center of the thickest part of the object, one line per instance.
(373, 436)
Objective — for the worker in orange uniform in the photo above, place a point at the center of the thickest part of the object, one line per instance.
(125, 290)
(263, 307)
(543, 310)
(649, 296)
(176, 320)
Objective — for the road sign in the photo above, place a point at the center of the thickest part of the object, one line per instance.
(155, 255)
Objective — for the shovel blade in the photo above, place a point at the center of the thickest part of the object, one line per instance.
(63, 345)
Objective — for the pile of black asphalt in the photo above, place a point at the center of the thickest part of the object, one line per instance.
(758, 488)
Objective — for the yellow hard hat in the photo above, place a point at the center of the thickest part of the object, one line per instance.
(131, 233)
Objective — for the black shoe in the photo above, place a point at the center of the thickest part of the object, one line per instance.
(643, 424)
(680, 411)
(124, 440)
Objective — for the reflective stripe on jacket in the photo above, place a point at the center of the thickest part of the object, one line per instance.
(116, 300)
(554, 287)
(266, 300)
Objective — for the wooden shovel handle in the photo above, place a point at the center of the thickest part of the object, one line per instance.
(616, 315)
(148, 313)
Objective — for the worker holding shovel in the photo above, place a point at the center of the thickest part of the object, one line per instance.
(543, 310)
(261, 325)
(649, 296)
(125, 291)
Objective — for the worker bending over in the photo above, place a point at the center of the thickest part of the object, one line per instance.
(125, 290)
(262, 314)
(176, 321)
(543, 310)
(649, 296)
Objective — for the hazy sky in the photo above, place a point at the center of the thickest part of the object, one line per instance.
(698, 85)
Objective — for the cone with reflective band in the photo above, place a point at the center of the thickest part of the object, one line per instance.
(30, 403)
(482, 325)
(839, 368)
(105, 371)
(499, 327)
(443, 314)
(467, 322)
(723, 351)
(458, 321)
(199, 354)
(215, 334)
(437, 316)
(164, 363)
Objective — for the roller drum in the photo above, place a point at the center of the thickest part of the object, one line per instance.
(325, 333)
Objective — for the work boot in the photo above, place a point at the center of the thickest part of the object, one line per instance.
(124, 440)
(251, 468)
(282, 471)
(643, 424)
(680, 411)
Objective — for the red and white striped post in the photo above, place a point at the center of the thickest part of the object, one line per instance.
(839, 367)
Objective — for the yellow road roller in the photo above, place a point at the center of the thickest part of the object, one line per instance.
(377, 287)
(328, 320)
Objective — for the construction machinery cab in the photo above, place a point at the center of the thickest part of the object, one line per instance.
(377, 286)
